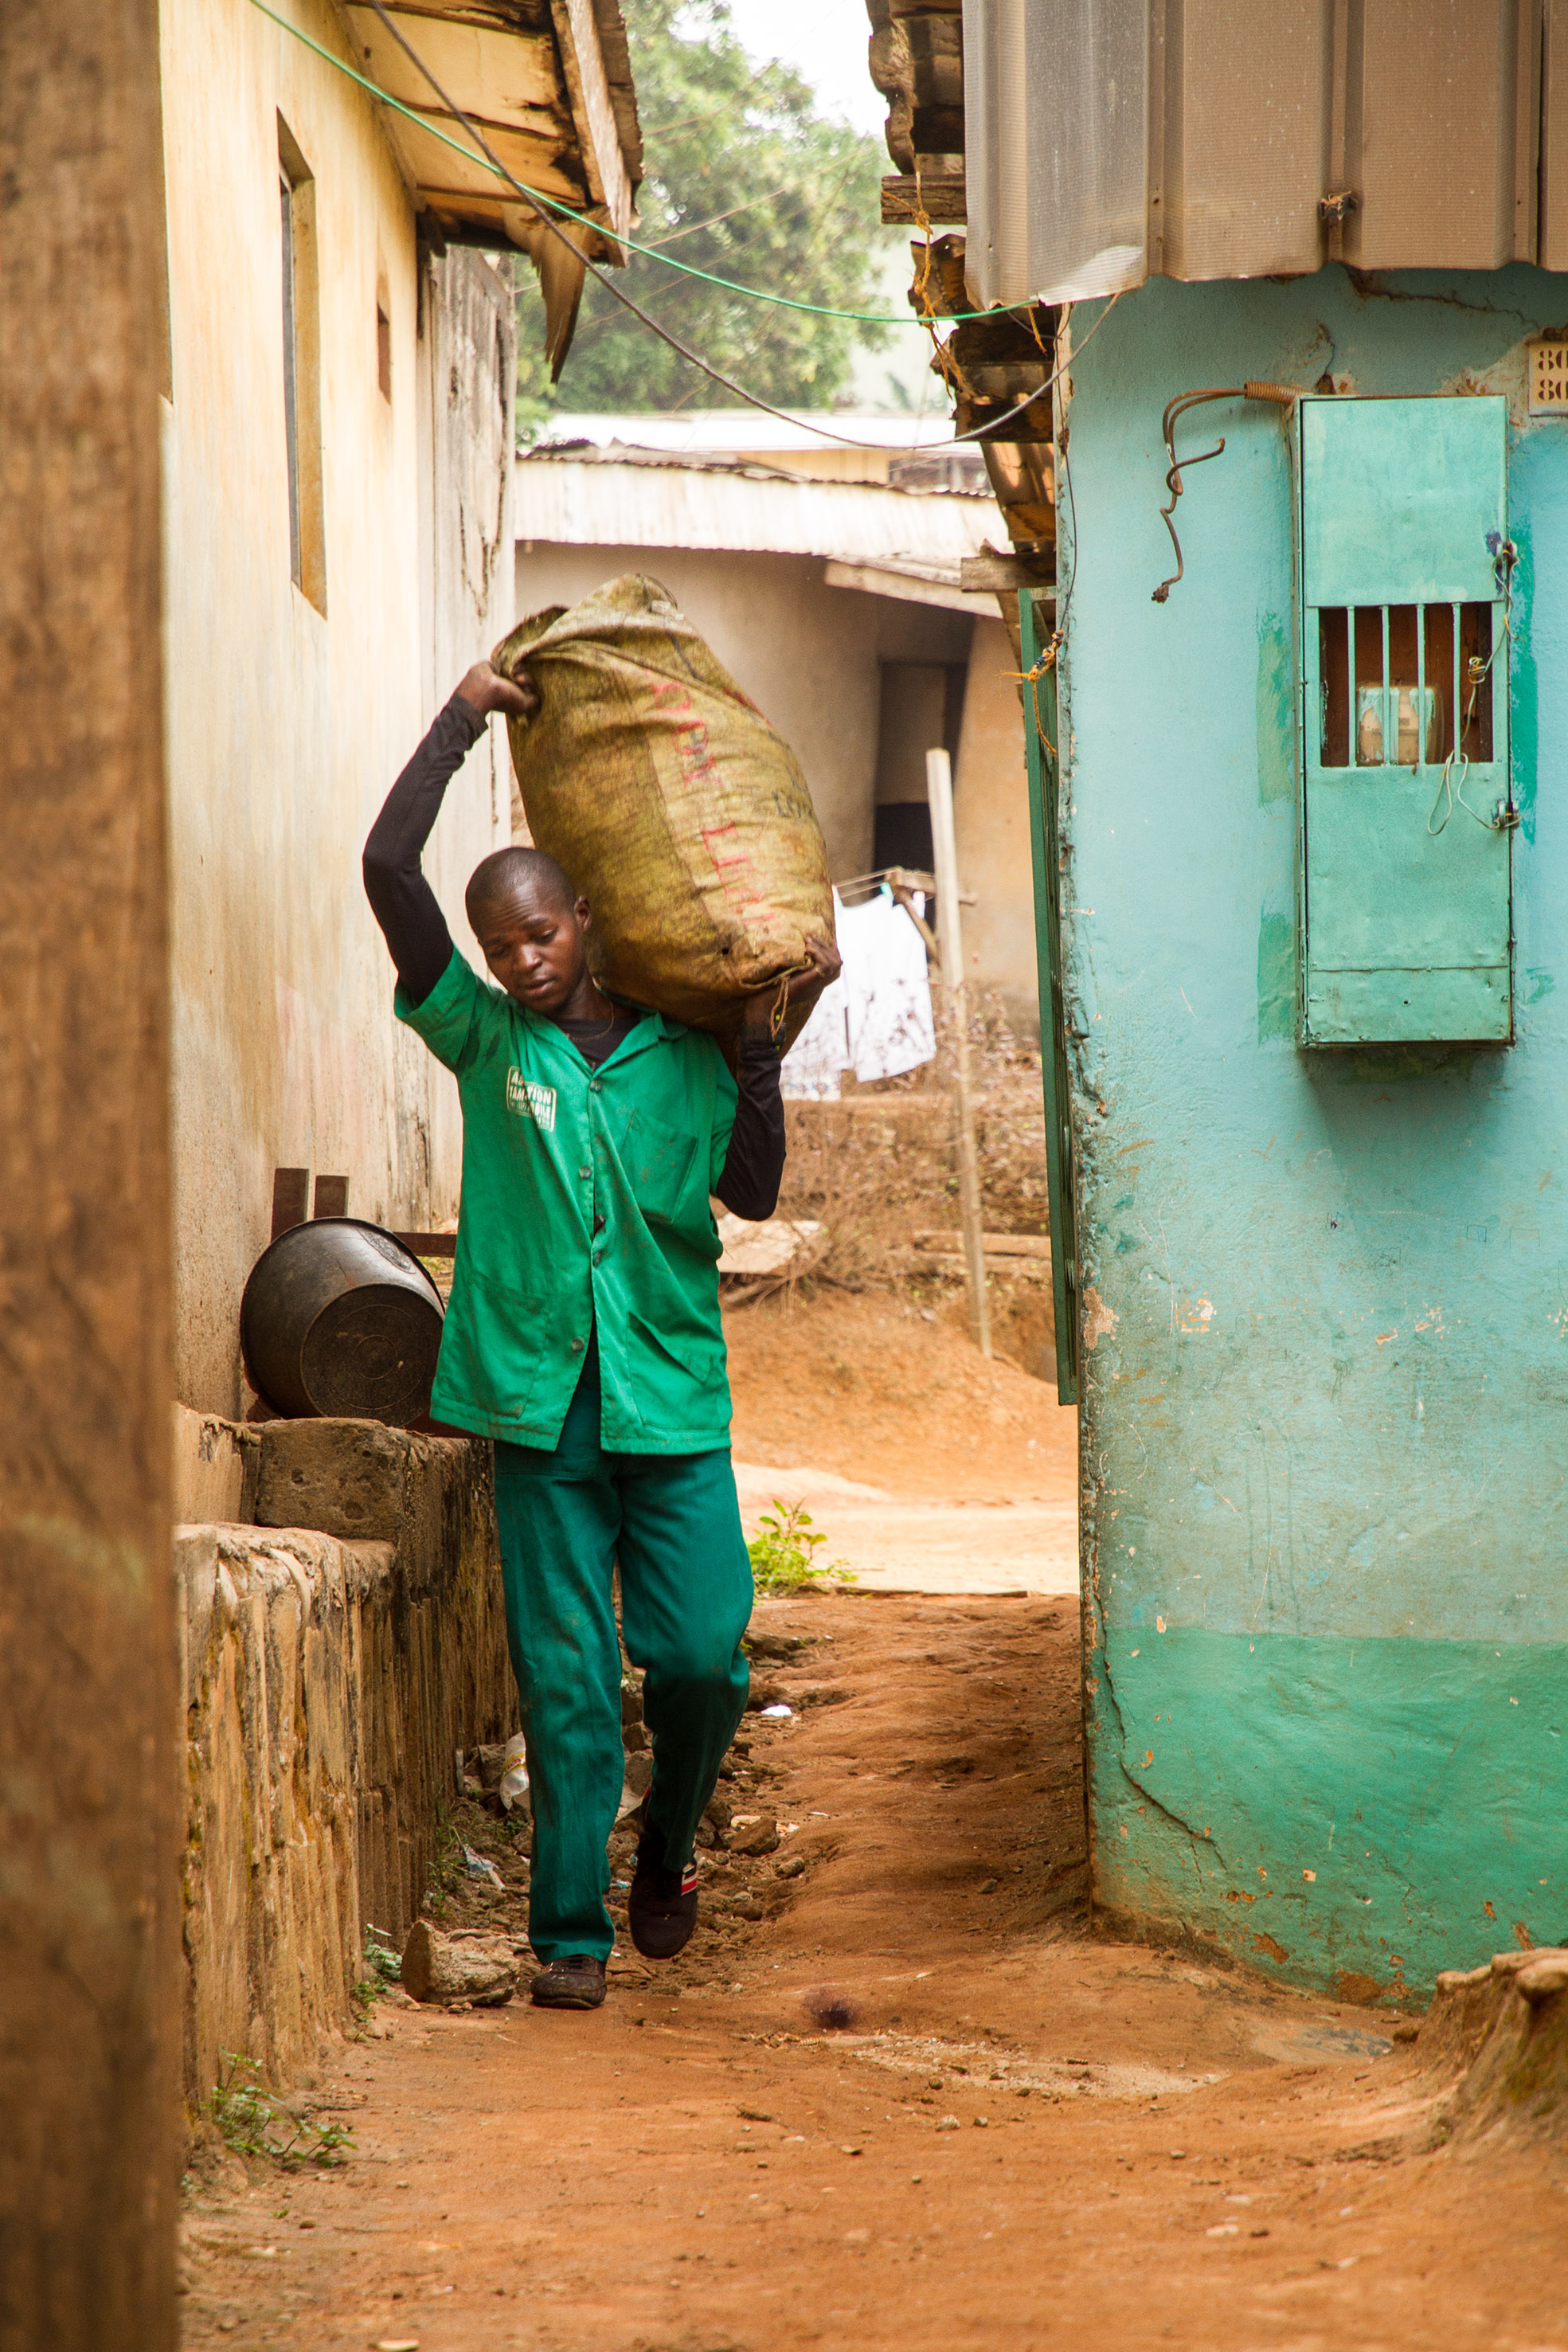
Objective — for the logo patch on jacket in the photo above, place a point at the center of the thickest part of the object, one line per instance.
(529, 1100)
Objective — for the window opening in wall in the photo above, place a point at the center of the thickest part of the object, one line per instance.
(290, 397)
(301, 368)
(922, 708)
(161, 251)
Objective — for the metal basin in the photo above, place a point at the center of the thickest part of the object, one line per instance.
(338, 1318)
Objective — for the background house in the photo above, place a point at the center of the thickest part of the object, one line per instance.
(1307, 1058)
(338, 550)
(830, 583)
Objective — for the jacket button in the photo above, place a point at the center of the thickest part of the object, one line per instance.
(593, 1086)
(585, 1172)
(577, 1347)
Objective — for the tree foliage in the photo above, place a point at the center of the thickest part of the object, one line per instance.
(744, 178)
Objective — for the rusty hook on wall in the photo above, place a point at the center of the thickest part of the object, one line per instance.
(1284, 395)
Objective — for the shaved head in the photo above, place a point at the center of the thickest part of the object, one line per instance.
(517, 872)
(532, 930)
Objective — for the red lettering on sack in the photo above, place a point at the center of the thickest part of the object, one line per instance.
(713, 834)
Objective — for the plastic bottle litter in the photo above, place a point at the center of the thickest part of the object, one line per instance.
(514, 1787)
(479, 1867)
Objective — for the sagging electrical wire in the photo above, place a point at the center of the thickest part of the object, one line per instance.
(1284, 395)
(536, 198)
(1451, 785)
(993, 431)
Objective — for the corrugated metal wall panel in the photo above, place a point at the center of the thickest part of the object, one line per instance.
(1555, 136)
(1000, 188)
(1056, 107)
(1246, 137)
(1435, 86)
(1442, 122)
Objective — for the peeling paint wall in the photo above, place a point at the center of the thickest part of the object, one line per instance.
(286, 724)
(1325, 1448)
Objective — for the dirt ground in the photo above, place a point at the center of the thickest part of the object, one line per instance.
(923, 1467)
(915, 2103)
(887, 1388)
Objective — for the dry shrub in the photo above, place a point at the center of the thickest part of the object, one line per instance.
(880, 1166)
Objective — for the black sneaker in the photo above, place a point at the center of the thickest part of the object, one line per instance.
(575, 1982)
(662, 1908)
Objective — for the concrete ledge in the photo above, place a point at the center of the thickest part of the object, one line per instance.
(216, 1464)
(353, 1478)
(329, 1677)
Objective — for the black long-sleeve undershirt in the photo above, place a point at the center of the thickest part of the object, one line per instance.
(415, 929)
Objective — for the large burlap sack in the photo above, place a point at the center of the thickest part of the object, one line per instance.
(679, 813)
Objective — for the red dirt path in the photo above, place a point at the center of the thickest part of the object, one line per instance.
(701, 2168)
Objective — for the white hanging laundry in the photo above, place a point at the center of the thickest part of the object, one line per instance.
(813, 1067)
(887, 987)
(816, 1062)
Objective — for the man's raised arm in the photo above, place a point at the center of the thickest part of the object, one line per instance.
(402, 901)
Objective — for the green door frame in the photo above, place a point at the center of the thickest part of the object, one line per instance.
(1045, 841)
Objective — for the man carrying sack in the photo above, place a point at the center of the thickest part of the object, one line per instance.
(583, 1336)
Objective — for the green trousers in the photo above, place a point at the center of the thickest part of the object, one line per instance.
(672, 1523)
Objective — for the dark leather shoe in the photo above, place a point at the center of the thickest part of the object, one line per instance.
(575, 1982)
(662, 1908)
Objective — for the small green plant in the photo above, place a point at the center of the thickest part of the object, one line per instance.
(384, 1962)
(782, 1552)
(255, 2124)
(384, 1966)
(445, 1864)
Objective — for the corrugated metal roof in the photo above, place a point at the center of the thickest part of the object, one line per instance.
(747, 431)
(621, 499)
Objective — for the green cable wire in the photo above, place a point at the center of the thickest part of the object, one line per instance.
(649, 252)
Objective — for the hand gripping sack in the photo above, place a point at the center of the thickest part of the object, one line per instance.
(678, 812)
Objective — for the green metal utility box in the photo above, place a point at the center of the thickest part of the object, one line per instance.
(1407, 813)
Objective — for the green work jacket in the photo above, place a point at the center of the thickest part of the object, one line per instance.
(551, 1148)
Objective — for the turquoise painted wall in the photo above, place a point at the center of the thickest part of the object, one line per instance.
(1325, 1393)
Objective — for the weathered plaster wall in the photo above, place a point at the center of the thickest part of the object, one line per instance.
(89, 1834)
(286, 725)
(990, 822)
(329, 1674)
(466, 365)
(808, 655)
(1324, 1440)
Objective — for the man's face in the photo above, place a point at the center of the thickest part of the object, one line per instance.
(534, 948)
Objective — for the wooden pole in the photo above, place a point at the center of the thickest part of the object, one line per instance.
(939, 788)
(91, 1726)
